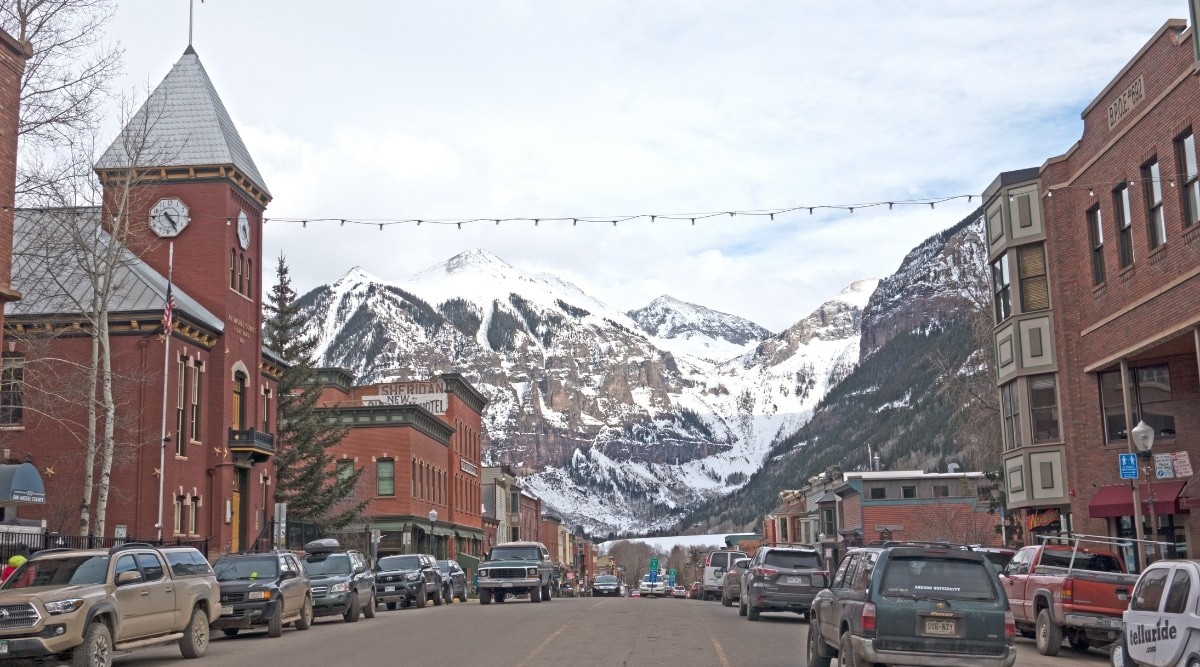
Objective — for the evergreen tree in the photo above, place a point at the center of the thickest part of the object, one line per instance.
(305, 477)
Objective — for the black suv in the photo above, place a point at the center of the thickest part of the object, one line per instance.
(781, 579)
(408, 579)
(454, 581)
(342, 583)
(912, 605)
(262, 589)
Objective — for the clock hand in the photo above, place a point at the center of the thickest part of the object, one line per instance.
(171, 219)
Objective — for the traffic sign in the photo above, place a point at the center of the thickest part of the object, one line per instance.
(1163, 467)
(1128, 465)
(654, 576)
(654, 565)
(671, 580)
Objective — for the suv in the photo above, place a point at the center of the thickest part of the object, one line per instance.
(715, 567)
(512, 568)
(781, 579)
(454, 581)
(263, 589)
(607, 584)
(731, 583)
(912, 605)
(340, 579)
(408, 579)
(89, 603)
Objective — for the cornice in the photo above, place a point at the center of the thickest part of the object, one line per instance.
(377, 416)
(214, 172)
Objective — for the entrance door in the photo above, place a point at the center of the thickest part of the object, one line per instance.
(240, 501)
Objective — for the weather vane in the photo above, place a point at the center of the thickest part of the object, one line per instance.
(191, 7)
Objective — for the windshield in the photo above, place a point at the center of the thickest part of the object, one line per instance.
(934, 578)
(444, 566)
(796, 560)
(515, 553)
(389, 563)
(246, 569)
(606, 579)
(323, 566)
(77, 570)
(1083, 561)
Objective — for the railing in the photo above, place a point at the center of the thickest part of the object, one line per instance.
(260, 446)
(12, 543)
(298, 534)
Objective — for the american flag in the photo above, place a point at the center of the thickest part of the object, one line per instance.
(168, 309)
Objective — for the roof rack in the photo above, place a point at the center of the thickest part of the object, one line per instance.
(51, 550)
(130, 545)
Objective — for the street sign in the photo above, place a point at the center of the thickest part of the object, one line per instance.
(671, 573)
(1182, 463)
(654, 575)
(1163, 467)
(1128, 465)
(654, 565)
(671, 580)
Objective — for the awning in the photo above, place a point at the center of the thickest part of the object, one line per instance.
(1116, 500)
(443, 532)
(21, 483)
(467, 562)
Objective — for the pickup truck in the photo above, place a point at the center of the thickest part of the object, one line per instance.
(86, 604)
(1072, 592)
(516, 567)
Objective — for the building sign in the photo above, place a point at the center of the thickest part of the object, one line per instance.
(430, 395)
(468, 467)
(1040, 519)
(28, 496)
(1126, 101)
(1182, 464)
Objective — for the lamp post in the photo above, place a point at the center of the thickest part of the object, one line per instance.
(432, 537)
(1143, 439)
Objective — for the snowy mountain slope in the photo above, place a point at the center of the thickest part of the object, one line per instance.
(690, 329)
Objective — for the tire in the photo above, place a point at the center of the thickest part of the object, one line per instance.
(391, 606)
(275, 625)
(231, 632)
(437, 596)
(306, 615)
(751, 611)
(1049, 635)
(726, 602)
(406, 603)
(448, 595)
(818, 653)
(741, 608)
(1119, 657)
(846, 656)
(369, 608)
(353, 611)
(421, 600)
(535, 594)
(195, 637)
(547, 593)
(96, 649)
(485, 597)
(462, 597)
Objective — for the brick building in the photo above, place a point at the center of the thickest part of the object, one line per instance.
(192, 185)
(1096, 296)
(418, 444)
(12, 67)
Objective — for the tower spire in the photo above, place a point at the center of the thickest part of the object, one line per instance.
(191, 19)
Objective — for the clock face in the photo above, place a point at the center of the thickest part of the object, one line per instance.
(243, 230)
(168, 217)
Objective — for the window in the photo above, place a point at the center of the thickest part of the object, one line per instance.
(178, 515)
(414, 478)
(266, 410)
(1151, 401)
(983, 493)
(1096, 232)
(1185, 147)
(385, 477)
(1155, 219)
(1043, 406)
(1000, 288)
(941, 491)
(197, 370)
(1124, 224)
(1010, 413)
(908, 492)
(180, 416)
(239, 400)
(828, 523)
(233, 263)
(152, 568)
(1177, 595)
(1031, 268)
(1149, 590)
(249, 272)
(241, 275)
(192, 515)
(878, 493)
(12, 389)
(345, 469)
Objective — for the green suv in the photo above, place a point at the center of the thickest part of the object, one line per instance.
(912, 605)
(259, 590)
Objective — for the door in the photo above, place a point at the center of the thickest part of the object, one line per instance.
(239, 501)
(133, 602)
(1013, 577)
(1159, 601)
(162, 612)
(827, 602)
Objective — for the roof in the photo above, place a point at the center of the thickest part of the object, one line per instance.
(520, 544)
(182, 123)
(51, 276)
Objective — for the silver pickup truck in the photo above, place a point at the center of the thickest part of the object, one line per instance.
(512, 568)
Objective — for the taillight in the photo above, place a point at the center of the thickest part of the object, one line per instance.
(1010, 626)
(763, 571)
(868, 617)
(1068, 590)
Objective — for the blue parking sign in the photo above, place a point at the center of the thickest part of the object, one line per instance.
(1128, 465)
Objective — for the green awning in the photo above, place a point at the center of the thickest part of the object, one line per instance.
(21, 483)
(444, 532)
(467, 562)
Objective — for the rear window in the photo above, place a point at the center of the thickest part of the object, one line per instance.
(1083, 561)
(948, 579)
(796, 560)
(399, 563)
(722, 559)
(187, 563)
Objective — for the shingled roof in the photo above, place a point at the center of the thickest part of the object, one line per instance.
(184, 124)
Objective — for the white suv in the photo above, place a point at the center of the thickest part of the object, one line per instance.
(648, 589)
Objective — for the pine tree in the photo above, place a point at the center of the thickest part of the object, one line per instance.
(305, 477)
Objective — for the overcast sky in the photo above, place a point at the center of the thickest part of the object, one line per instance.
(528, 108)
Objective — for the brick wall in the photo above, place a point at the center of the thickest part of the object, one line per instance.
(12, 67)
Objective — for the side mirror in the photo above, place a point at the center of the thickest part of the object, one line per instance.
(289, 574)
(818, 581)
(129, 577)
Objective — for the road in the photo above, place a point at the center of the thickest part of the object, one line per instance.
(585, 631)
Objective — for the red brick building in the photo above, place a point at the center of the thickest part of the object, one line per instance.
(12, 66)
(418, 444)
(192, 185)
(1097, 306)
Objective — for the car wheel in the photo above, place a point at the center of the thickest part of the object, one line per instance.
(96, 649)
(818, 656)
(420, 601)
(448, 595)
(846, 657)
(1119, 657)
(499, 596)
(1049, 635)
(547, 593)
(352, 611)
(437, 597)
(369, 608)
(406, 603)
(230, 632)
(535, 594)
(726, 601)
(306, 615)
(275, 625)
(751, 610)
(195, 636)
(462, 597)
(485, 597)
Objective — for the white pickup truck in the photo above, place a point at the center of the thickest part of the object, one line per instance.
(1162, 628)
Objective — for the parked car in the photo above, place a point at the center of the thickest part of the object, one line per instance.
(454, 581)
(1070, 592)
(731, 583)
(342, 583)
(258, 590)
(999, 556)
(781, 579)
(408, 580)
(512, 568)
(90, 603)
(1162, 628)
(607, 585)
(715, 567)
(566, 590)
(679, 592)
(655, 589)
(912, 605)
(635, 593)
(694, 590)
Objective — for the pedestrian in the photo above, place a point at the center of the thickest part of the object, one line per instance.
(13, 563)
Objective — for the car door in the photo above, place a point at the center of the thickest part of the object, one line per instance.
(1013, 577)
(133, 601)
(163, 609)
(291, 584)
(1159, 599)
(827, 602)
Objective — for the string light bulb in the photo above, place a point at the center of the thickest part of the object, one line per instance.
(1091, 192)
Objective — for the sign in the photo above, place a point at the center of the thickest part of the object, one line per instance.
(1163, 467)
(1126, 101)
(19, 496)
(120, 532)
(430, 395)
(653, 575)
(671, 580)
(1182, 464)
(654, 565)
(1128, 465)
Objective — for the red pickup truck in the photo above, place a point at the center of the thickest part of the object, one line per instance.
(1072, 592)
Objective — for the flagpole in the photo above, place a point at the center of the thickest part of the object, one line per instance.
(162, 443)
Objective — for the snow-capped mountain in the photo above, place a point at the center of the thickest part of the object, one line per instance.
(687, 328)
(615, 427)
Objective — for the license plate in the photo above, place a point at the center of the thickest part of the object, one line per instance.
(1111, 622)
(3, 646)
(937, 627)
(226, 611)
(388, 589)
(507, 584)
(796, 580)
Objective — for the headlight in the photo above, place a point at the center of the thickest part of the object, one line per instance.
(532, 572)
(258, 595)
(339, 588)
(63, 606)
(412, 576)
(483, 573)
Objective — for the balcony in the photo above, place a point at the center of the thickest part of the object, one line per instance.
(252, 444)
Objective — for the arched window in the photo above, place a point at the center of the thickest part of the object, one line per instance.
(241, 272)
(239, 400)
(249, 273)
(232, 269)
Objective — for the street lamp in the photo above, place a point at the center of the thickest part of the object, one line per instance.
(1143, 439)
(432, 537)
